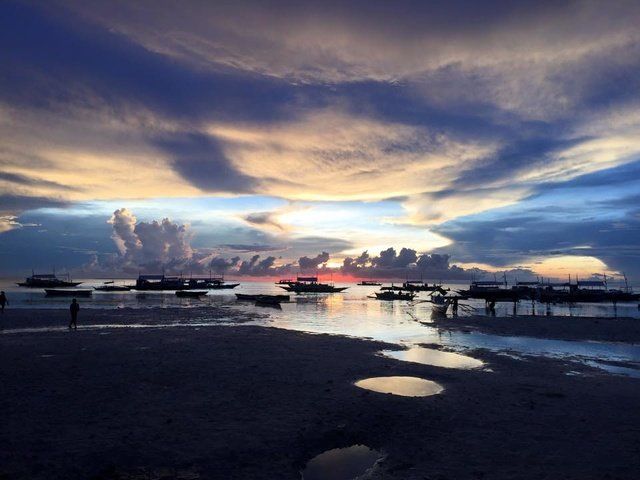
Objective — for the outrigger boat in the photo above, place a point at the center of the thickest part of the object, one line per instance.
(111, 287)
(589, 291)
(580, 291)
(491, 292)
(418, 286)
(162, 282)
(67, 292)
(47, 280)
(391, 293)
(439, 304)
(309, 285)
(211, 283)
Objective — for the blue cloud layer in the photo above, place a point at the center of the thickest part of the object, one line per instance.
(542, 99)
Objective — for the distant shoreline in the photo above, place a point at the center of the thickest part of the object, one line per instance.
(606, 329)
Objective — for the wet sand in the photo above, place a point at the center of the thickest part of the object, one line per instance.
(247, 402)
(560, 328)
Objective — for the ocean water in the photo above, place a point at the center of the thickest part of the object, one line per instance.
(354, 302)
(354, 313)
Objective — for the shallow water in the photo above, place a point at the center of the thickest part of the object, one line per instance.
(341, 463)
(615, 369)
(437, 358)
(403, 386)
(350, 313)
(351, 301)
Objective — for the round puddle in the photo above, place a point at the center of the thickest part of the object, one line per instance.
(437, 358)
(404, 386)
(341, 463)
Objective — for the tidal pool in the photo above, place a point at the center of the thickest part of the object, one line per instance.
(403, 386)
(341, 463)
(437, 358)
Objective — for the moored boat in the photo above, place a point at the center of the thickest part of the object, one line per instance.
(67, 292)
(112, 287)
(418, 286)
(439, 304)
(310, 285)
(491, 292)
(162, 282)
(47, 280)
(391, 293)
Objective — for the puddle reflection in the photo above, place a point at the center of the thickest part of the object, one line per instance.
(403, 386)
(437, 358)
(341, 463)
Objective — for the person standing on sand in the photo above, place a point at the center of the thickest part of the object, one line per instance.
(74, 308)
(3, 301)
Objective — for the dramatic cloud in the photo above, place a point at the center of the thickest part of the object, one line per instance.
(390, 42)
(465, 114)
(150, 243)
(408, 263)
(314, 263)
(201, 160)
(12, 205)
(332, 153)
(264, 219)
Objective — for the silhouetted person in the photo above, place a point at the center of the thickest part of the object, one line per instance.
(455, 307)
(492, 307)
(74, 308)
(3, 301)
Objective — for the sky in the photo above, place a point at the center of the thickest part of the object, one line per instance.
(373, 138)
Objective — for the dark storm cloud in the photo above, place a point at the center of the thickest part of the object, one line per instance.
(17, 203)
(548, 89)
(51, 60)
(551, 224)
(25, 180)
(520, 155)
(245, 248)
(201, 160)
(313, 263)
(268, 219)
(390, 264)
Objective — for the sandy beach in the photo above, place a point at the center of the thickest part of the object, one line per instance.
(245, 402)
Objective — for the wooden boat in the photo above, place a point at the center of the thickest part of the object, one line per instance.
(310, 285)
(67, 292)
(190, 293)
(419, 286)
(268, 304)
(492, 292)
(47, 280)
(112, 287)
(162, 282)
(222, 285)
(389, 293)
(268, 300)
(439, 304)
